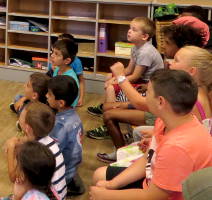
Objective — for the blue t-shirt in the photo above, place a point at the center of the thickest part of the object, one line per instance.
(68, 131)
(72, 74)
(76, 65)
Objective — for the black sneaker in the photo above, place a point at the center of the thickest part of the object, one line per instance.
(12, 107)
(95, 110)
(76, 186)
(99, 133)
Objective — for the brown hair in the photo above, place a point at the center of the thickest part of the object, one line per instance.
(39, 83)
(40, 118)
(147, 25)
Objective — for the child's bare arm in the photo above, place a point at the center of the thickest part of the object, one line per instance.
(10, 148)
(136, 74)
(130, 68)
(11, 157)
(81, 89)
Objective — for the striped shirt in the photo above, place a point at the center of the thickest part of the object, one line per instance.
(58, 179)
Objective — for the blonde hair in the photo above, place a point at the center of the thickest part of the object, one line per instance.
(202, 60)
(147, 25)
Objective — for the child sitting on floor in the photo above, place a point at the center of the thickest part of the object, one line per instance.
(68, 130)
(64, 53)
(77, 67)
(145, 59)
(36, 121)
(36, 170)
(35, 89)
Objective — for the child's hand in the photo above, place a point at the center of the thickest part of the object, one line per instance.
(80, 102)
(112, 81)
(19, 104)
(117, 69)
(144, 144)
(97, 193)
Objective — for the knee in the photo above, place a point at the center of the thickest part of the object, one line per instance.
(99, 174)
(107, 116)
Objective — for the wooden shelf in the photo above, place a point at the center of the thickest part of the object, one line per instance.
(2, 45)
(112, 21)
(112, 54)
(28, 48)
(23, 68)
(29, 32)
(2, 27)
(35, 15)
(75, 18)
(77, 36)
(84, 54)
(2, 64)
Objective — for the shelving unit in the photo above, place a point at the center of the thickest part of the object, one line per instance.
(82, 19)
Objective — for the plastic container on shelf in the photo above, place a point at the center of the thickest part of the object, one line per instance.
(40, 63)
(123, 48)
(19, 26)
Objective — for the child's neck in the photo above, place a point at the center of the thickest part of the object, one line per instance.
(63, 69)
(139, 44)
(64, 109)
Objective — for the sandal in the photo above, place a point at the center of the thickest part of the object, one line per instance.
(107, 157)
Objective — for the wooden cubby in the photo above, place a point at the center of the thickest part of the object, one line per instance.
(81, 18)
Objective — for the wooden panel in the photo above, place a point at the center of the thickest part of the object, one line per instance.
(74, 9)
(73, 27)
(34, 41)
(29, 6)
(122, 12)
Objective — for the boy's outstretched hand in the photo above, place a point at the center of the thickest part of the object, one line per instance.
(117, 69)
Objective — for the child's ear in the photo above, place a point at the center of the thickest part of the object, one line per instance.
(145, 37)
(193, 71)
(62, 103)
(35, 96)
(67, 61)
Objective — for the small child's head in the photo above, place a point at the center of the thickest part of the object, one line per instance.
(37, 120)
(171, 90)
(62, 91)
(37, 87)
(37, 164)
(197, 62)
(177, 36)
(141, 29)
(64, 52)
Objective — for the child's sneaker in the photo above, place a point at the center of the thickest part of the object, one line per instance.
(12, 107)
(95, 110)
(99, 133)
(107, 157)
(76, 186)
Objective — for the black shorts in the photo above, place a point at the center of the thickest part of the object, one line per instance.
(114, 171)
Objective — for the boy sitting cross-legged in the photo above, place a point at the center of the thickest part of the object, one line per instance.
(68, 130)
(35, 89)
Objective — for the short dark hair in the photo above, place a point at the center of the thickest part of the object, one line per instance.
(40, 118)
(177, 87)
(64, 88)
(196, 11)
(68, 36)
(39, 83)
(183, 35)
(67, 47)
(37, 163)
